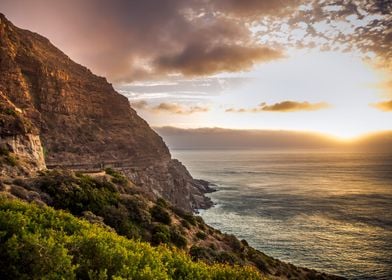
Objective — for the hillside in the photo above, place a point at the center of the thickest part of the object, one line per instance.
(108, 199)
(40, 243)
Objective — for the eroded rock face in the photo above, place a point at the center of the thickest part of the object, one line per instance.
(82, 120)
(20, 145)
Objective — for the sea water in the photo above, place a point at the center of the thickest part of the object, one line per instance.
(330, 211)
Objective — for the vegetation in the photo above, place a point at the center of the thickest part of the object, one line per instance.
(160, 215)
(42, 243)
(118, 178)
(79, 194)
(6, 157)
(201, 235)
(133, 215)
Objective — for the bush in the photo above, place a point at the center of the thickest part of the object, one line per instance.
(159, 214)
(185, 224)
(190, 218)
(10, 160)
(78, 194)
(233, 242)
(137, 209)
(178, 239)
(161, 234)
(118, 178)
(41, 243)
(202, 253)
(228, 257)
(201, 235)
(4, 151)
(117, 217)
(162, 202)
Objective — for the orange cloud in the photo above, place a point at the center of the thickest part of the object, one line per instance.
(385, 106)
(284, 106)
(168, 107)
(140, 105)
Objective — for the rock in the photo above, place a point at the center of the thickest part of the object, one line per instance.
(20, 144)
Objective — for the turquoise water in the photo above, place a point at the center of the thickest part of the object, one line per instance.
(323, 210)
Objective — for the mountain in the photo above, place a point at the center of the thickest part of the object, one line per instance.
(82, 122)
(222, 138)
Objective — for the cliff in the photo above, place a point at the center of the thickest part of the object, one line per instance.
(20, 145)
(83, 122)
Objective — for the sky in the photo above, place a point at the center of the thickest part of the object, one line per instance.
(321, 66)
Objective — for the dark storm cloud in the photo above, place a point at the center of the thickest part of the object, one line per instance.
(284, 106)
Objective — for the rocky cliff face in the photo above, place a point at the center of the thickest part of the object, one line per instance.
(82, 121)
(20, 145)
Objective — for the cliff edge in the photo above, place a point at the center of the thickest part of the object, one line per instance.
(82, 122)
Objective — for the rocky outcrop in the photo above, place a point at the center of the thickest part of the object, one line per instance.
(175, 184)
(20, 144)
(82, 121)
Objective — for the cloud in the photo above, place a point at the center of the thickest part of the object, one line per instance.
(292, 106)
(136, 40)
(141, 105)
(386, 87)
(199, 59)
(253, 8)
(284, 106)
(168, 107)
(149, 39)
(336, 25)
(385, 106)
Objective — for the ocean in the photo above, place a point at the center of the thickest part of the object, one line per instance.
(330, 211)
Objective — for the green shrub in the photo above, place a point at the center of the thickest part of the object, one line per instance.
(185, 224)
(160, 234)
(78, 194)
(159, 214)
(233, 242)
(228, 257)
(137, 209)
(118, 178)
(199, 220)
(202, 253)
(162, 202)
(201, 235)
(190, 218)
(10, 112)
(178, 239)
(10, 160)
(4, 151)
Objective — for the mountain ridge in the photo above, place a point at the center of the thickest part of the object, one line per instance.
(223, 138)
